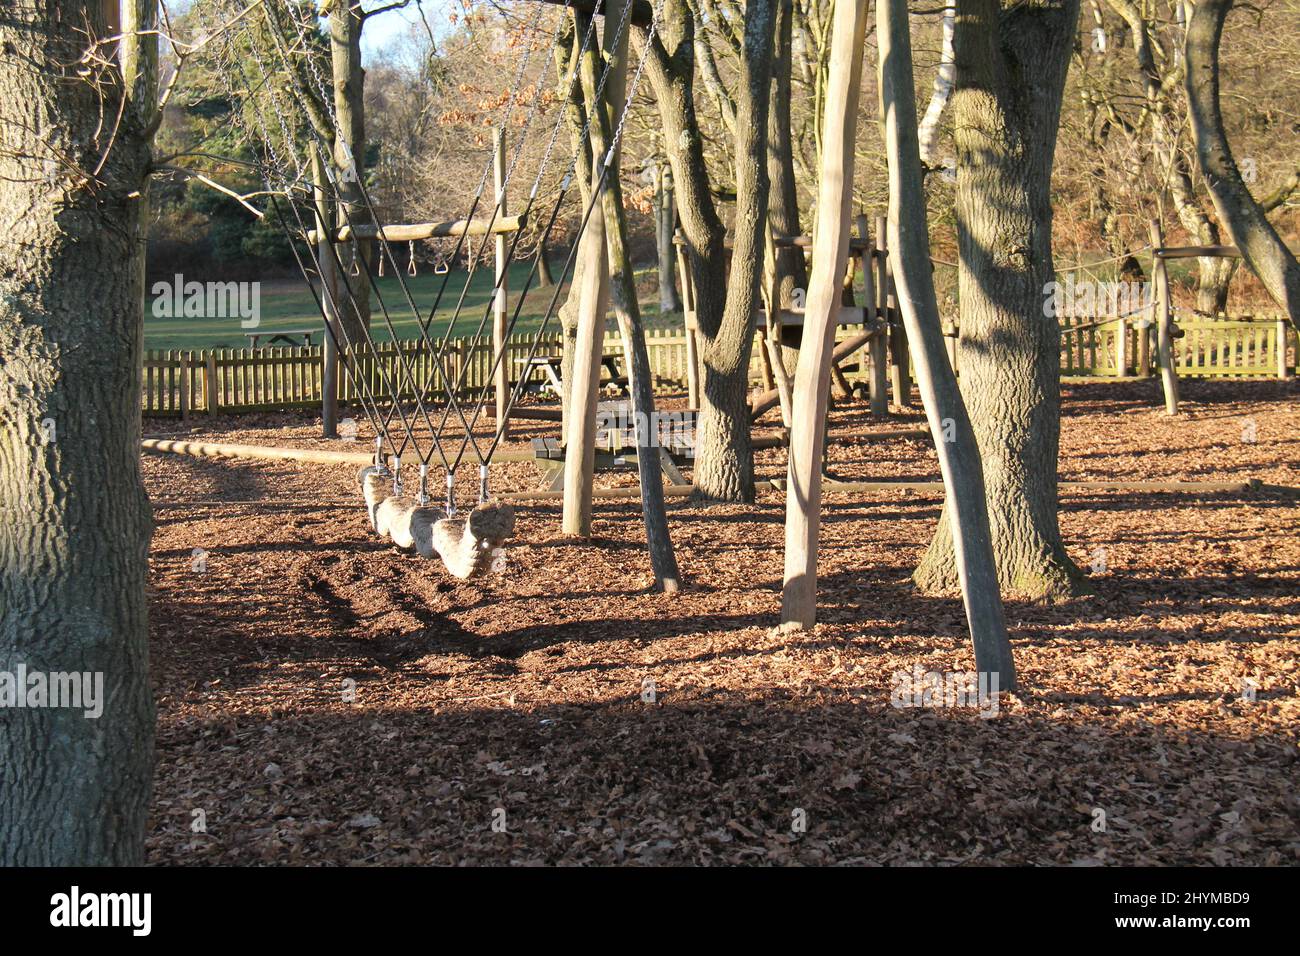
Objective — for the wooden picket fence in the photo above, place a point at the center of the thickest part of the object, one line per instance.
(1209, 348)
(177, 383)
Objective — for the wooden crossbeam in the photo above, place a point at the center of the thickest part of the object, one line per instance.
(429, 230)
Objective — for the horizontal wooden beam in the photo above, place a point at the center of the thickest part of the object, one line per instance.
(315, 456)
(430, 230)
(1198, 252)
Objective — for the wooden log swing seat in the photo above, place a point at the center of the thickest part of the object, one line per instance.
(469, 545)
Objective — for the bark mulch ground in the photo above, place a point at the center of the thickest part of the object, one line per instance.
(326, 699)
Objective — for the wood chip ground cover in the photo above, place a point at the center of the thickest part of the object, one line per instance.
(521, 699)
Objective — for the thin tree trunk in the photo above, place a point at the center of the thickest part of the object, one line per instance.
(567, 51)
(1262, 248)
(75, 535)
(622, 291)
(1011, 65)
(909, 250)
(790, 269)
(345, 25)
(665, 212)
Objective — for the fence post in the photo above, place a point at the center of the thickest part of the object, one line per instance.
(210, 381)
(1121, 348)
(1283, 335)
(185, 385)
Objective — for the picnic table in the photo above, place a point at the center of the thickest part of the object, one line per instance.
(616, 445)
(289, 336)
(549, 367)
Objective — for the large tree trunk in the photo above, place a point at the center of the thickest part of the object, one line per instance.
(724, 465)
(1260, 245)
(75, 535)
(1011, 64)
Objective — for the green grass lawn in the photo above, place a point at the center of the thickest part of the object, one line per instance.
(288, 304)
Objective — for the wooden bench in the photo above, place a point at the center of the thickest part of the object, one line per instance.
(616, 447)
(288, 336)
(549, 366)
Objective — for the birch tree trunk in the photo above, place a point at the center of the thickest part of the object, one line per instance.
(1011, 65)
(75, 534)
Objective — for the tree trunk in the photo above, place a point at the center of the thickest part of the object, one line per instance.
(665, 212)
(1260, 245)
(622, 294)
(724, 465)
(1011, 65)
(567, 51)
(545, 276)
(75, 537)
(783, 204)
(345, 23)
(803, 497)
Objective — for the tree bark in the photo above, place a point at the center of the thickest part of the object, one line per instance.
(803, 497)
(1261, 247)
(75, 536)
(790, 269)
(567, 52)
(1011, 65)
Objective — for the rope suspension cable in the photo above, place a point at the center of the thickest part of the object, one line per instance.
(565, 185)
(333, 252)
(370, 408)
(476, 255)
(386, 250)
(604, 172)
(343, 207)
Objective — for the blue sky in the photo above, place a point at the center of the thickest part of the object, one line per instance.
(382, 31)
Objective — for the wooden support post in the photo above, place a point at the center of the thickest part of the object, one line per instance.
(593, 306)
(812, 375)
(782, 378)
(958, 452)
(900, 361)
(500, 305)
(186, 358)
(327, 269)
(688, 322)
(1283, 338)
(1121, 348)
(875, 268)
(1164, 330)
